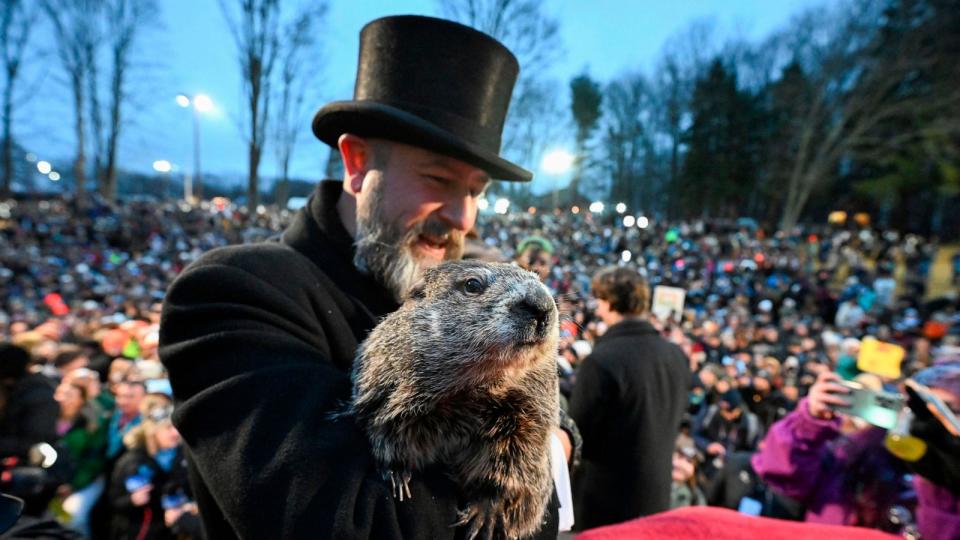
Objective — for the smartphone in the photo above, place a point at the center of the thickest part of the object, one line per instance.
(878, 408)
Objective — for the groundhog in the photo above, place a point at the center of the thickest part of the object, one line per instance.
(464, 374)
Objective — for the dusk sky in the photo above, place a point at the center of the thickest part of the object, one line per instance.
(191, 50)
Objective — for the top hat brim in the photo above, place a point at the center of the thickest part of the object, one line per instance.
(378, 120)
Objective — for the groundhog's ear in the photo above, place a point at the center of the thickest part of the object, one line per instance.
(418, 291)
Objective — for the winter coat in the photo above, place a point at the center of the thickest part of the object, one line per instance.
(259, 341)
(85, 443)
(630, 396)
(741, 434)
(29, 416)
(683, 494)
(800, 458)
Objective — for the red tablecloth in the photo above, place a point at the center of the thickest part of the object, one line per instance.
(709, 523)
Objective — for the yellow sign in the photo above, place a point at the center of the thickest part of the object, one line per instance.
(880, 358)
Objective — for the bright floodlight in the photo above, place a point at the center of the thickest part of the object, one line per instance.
(557, 161)
(629, 221)
(643, 222)
(501, 206)
(621, 208)
(203, 103)
(183, 100)
(483, 203)
(44, 167)
(596, 207)
(54, 176)
(625, 256)
(162, 165)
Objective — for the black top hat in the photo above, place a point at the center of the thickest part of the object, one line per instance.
(430, 83)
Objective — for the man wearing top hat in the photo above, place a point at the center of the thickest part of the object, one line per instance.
(259, 339)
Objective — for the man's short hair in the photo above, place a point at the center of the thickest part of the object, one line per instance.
(624, 288)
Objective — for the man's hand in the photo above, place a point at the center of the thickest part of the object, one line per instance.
(141, 496)
(824, 394)
(716, 449)
(172, 515)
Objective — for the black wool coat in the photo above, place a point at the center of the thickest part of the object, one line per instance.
(259, 341)
(628, 402)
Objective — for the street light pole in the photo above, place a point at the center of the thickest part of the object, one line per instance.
(197, 175)
(198, 103)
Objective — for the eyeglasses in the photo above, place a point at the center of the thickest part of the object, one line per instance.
(160, 413)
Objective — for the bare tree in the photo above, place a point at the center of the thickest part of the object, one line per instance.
(854, 94)
(17, 18)
(74, 28)
(125, 19)
(91, 48)
(627, 138)
(256, 32)
(684, 57)
(298, 58)
(533, 37)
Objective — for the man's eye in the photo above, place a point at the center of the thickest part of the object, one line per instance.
(473, 286)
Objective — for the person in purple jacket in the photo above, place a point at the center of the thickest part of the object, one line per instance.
(843, 473)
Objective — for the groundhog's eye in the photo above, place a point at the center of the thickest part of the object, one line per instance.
(473, 286)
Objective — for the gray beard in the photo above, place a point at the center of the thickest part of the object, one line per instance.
(384, 250)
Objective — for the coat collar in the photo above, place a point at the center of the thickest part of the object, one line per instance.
(629, 327)
(317, 233)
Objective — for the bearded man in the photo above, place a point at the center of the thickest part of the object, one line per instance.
(259, 339)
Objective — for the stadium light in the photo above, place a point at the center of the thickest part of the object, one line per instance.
(162, 166)
(557, 161)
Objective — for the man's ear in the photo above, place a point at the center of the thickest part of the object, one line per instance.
(355, 152)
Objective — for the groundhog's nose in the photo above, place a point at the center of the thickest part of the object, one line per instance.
(533, 309)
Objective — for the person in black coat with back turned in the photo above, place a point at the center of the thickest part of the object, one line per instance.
(28, 412)
(629, 399)
(259, 339)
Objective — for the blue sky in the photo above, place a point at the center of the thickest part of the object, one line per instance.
(189, 49)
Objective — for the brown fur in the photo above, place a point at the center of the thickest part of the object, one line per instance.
(469, 380)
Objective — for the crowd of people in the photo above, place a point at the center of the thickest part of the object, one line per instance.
(769, 323)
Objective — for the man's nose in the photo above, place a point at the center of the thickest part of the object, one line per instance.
(459, 213)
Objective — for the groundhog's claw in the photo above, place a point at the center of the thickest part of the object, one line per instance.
(399, 484)
(482, 521)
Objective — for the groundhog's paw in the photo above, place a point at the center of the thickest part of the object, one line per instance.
(399, 483)
(483, 520)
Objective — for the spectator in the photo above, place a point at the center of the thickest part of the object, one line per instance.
(28, 411)
(152, 466)
(839, 468)
(630, 397)
(685, 489)
(535, 253)
(82, 434)
(129, 395)
(728, 426)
